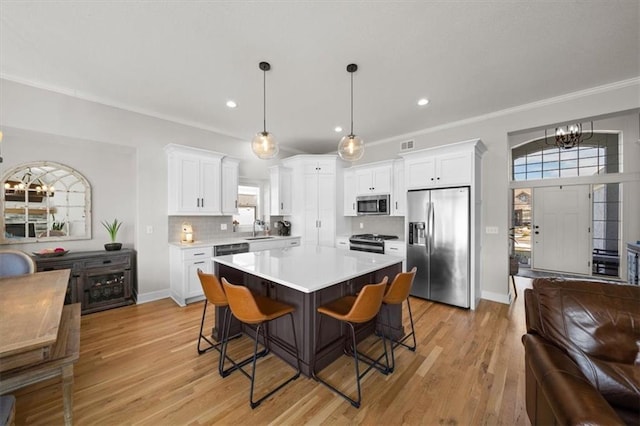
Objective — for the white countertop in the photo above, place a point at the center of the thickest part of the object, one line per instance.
(308, 268)
(228, 240)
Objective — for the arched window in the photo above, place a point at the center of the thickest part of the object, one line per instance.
(45, 201)
(538, 160)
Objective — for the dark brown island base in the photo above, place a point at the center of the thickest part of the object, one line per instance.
(306, 278)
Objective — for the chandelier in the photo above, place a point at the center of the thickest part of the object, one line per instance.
(569, 136)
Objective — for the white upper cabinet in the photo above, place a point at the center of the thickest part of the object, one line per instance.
(349, 179)
(230, 168)
(399, 193)
(373, 180)
(445, 166)
(280, 186)
(195, 184)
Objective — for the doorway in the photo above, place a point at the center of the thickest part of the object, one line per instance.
(561, 229)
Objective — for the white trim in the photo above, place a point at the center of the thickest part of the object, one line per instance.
(520, 108)
(153, 296)
(496, 297)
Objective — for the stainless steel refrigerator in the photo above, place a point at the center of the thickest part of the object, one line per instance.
(438, 244)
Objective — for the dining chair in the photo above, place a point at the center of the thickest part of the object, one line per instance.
(15, 262)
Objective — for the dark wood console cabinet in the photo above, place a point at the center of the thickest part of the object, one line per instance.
(99, 280)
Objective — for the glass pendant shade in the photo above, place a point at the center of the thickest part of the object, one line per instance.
(351, 148)
(264, 145)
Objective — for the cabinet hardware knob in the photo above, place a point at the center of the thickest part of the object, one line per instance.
(281, 206)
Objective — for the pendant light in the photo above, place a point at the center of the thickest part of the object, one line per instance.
(351, 147)
(263, 144)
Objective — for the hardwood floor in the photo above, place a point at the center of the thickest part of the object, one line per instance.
(139, 365)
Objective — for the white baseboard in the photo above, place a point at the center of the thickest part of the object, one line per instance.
(152, 296)
(496, 297)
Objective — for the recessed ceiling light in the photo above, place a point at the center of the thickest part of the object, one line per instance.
(231, 104)
(337, 129)
(423, 101)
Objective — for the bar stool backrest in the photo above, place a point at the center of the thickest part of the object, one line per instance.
(400, 287)
(367, 303)
(242, 303)
(212, 288)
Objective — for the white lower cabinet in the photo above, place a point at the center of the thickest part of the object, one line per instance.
(397, 248)
(183, 265)
(342, 243)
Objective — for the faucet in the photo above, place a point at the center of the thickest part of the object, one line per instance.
(257, 222)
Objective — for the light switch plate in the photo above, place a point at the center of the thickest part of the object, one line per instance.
(223, 226)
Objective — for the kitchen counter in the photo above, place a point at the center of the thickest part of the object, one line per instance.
(229, 240)
(307, 268)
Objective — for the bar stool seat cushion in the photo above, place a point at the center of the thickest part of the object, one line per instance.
(339, 308)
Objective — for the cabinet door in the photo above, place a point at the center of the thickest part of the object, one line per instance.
(192, 282)
(420, 173)
(281, 187)
(342, 243)
(349, 193)
(188, 174)
(326, 196)
(281, 328)
(310, 235)
(454, 169)
(364, 184)
(381, 180)
(210, 186)
(399, 193)
(229, 187)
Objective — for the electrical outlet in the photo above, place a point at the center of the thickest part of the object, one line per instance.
(149, 229)
(361, 225)
(491, 229)
(223, 226)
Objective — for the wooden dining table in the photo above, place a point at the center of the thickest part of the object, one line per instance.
(39, 335)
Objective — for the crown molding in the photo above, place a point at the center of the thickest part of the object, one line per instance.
(635, 81)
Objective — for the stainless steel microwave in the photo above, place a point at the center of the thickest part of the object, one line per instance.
(373, 204)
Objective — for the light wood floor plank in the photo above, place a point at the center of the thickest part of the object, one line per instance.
(139, 366)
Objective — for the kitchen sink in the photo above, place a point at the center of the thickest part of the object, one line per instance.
(258, 238)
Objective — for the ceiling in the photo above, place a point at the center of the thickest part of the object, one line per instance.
(183, 60)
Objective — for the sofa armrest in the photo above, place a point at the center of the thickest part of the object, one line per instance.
(569, 395)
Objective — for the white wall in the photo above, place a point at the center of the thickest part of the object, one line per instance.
(136, 142)
(81, 125)
(493, 129)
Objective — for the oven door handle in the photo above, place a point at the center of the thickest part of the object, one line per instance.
(367, 247)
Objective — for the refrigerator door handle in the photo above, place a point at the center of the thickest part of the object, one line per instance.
(427, 239)
(432, 226)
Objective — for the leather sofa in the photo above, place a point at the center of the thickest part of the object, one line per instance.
(582, 353)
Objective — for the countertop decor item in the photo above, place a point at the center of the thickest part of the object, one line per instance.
(112, 229)
(48, 253)
(263, 144)
(351, 147)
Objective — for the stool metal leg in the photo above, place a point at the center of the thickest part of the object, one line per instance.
(372, 363)
(202, 337)
(226, 324)
(253, 403)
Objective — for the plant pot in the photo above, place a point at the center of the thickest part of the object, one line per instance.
(112, 246)
(514, 265)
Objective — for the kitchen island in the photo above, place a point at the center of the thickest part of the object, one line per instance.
(307, 277)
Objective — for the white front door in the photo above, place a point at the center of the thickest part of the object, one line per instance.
(561, 229)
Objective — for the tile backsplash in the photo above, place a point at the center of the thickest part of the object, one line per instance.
(207, 228)
(387, 225)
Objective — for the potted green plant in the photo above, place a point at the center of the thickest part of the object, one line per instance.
(112, 229)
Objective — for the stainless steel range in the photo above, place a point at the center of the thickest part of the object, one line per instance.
(373, 243)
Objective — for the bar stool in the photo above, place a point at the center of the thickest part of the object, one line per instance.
(397, 293)
(356, 310)
(257, 310)
(214, 294)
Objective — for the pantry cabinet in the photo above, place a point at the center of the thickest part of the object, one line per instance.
(314, 201)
